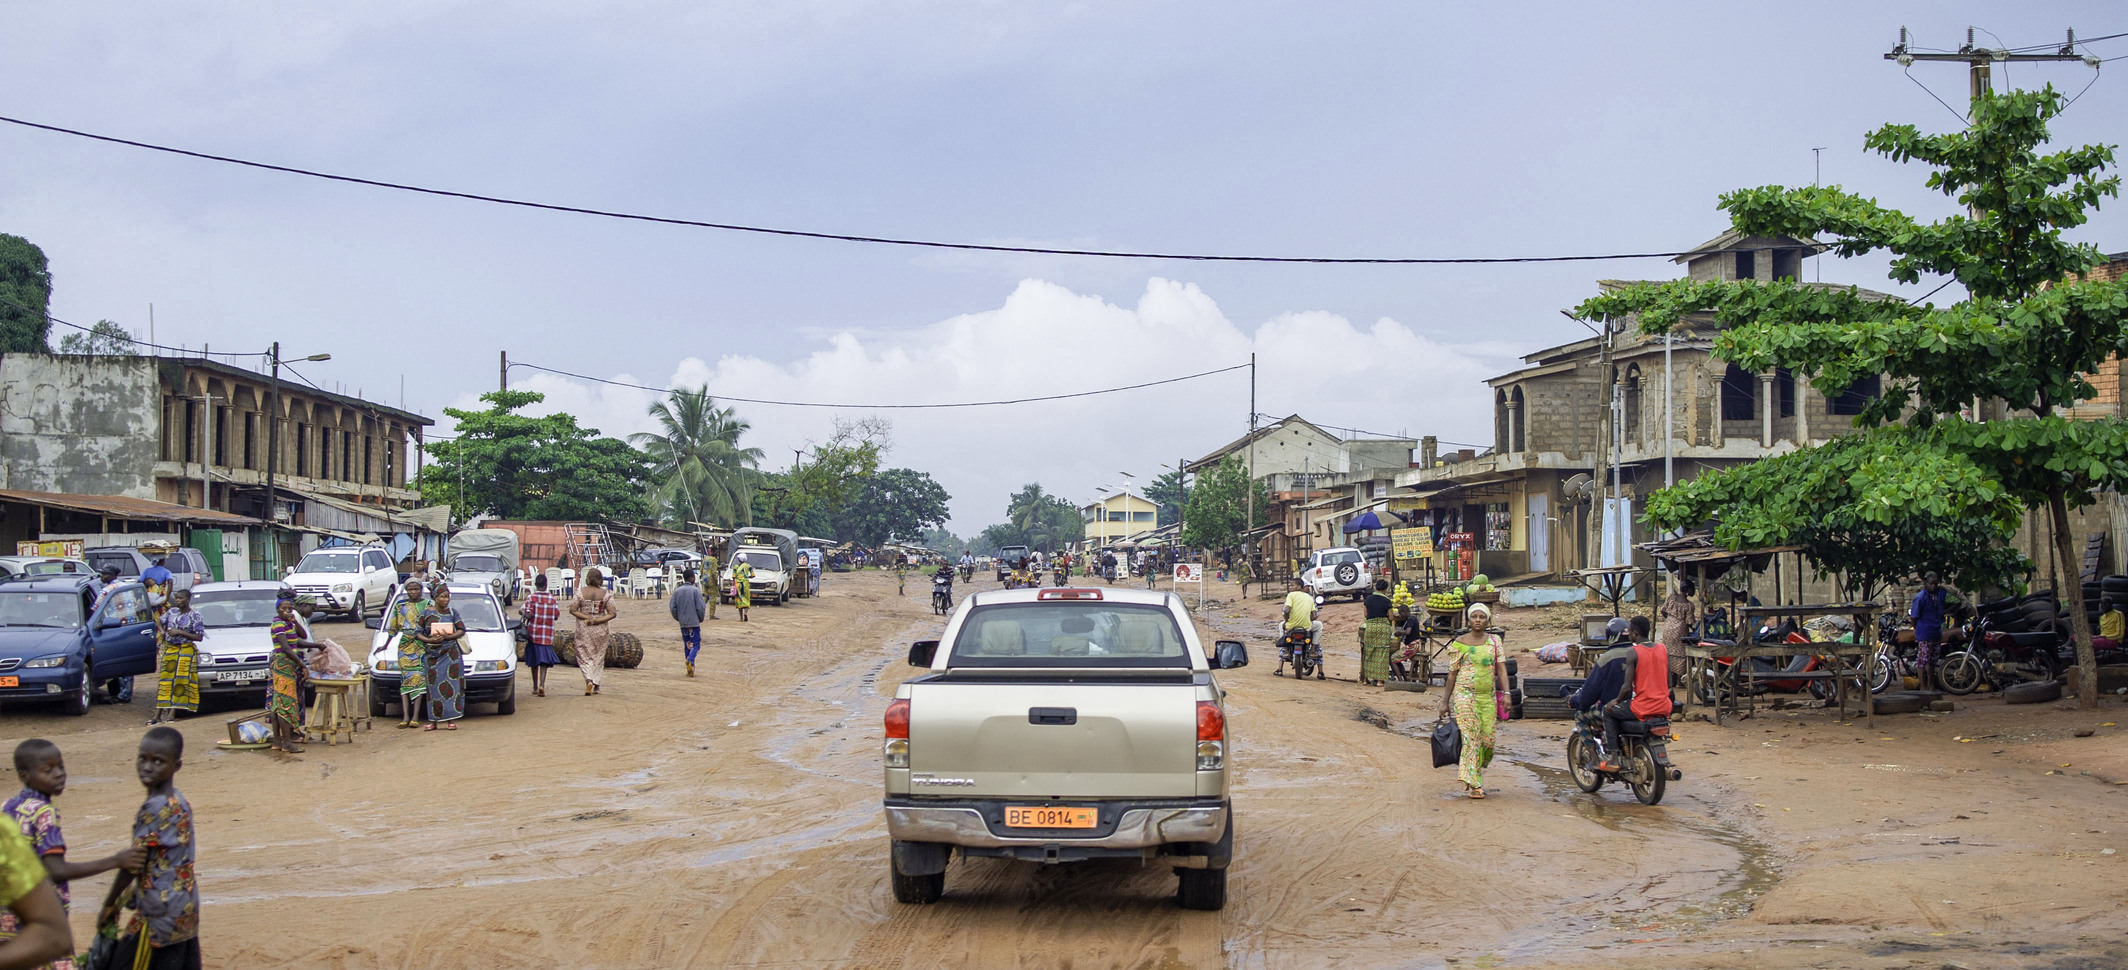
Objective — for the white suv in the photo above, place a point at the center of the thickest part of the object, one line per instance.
(355, 580)
(1340, 570)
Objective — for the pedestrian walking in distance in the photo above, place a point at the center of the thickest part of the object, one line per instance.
(688, 610)
(541, 611)
(164, 895)
(44, 778)
(593, 610)
(1472, 682)
(742, 585)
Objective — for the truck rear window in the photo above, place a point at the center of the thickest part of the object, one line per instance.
(1069, 635)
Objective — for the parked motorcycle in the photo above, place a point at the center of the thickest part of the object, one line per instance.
(1643, 764)
(1999, 656)
(942, 594)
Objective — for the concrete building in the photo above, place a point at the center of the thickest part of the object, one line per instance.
(1302, 464)
(1118, 516)
(194, 432)
(1541, 502)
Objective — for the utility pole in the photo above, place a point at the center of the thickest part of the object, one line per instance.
(273, 440)
(1817, 260)
(502, 374)
(1978, 60)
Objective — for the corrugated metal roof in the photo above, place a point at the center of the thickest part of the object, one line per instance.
(122, 507)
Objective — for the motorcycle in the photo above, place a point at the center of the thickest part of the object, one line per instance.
(1643, 763)
(2005, 647)
(1056, 576)
(967, 572)
(941, 594)
(1298, 647)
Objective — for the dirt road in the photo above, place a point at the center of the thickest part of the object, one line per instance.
(732, 820)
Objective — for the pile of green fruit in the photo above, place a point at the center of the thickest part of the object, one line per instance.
(1445, 602)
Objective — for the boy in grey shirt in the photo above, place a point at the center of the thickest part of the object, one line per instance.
(688, 610)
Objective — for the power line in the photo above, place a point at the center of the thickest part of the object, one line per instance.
(184, 351)
(834, 236)
(884, 407)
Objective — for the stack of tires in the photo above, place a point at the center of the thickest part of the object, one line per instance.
(623, 650)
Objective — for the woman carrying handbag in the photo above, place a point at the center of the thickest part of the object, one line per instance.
(1474, 693)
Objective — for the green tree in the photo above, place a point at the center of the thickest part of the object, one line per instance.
(519, 467)
(2029, 330)
(815, 490)
(1218, 510)
(1044, 521)
(702, 474)
(105, 338)
(1166, 490)
(25, 297)
(898, 503)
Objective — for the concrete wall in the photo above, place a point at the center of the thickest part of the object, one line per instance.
(82, 424)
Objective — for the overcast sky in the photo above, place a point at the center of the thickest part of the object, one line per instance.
(1393, 129)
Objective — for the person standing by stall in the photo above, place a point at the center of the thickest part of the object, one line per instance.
(1680, 619)
(287, 674)
(1377, 637)
(405, 621)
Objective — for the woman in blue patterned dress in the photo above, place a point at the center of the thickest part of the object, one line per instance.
(442, 634)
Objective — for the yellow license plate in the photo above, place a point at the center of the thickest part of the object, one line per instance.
(10, 681)
(1051, 817)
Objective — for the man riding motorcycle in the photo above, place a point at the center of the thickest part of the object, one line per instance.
(1021, 577)
(1299, 615)
(1643, 693)
(1606, 675)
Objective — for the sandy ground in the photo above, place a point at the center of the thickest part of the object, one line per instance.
(733, 820)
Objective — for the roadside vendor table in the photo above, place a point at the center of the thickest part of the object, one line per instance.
(335, 709)
(1850, 663)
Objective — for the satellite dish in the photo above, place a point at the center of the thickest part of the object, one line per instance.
(1580, 486)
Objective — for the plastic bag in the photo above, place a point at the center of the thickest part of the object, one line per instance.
(1447, 743)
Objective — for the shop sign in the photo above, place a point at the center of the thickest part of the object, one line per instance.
(1411, 543)
(51, 550)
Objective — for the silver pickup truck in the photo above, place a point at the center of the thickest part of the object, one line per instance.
(1058, 725)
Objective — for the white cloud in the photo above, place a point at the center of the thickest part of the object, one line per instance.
(1045, 339)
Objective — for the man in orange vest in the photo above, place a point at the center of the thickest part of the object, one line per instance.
(1643, 693)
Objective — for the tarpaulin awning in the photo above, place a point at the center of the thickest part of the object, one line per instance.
(123, 507)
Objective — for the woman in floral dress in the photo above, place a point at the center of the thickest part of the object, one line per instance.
(287, 673)
(593, 609)
(405, 620)
(1471, 686)
(742, 582)
(442, 636)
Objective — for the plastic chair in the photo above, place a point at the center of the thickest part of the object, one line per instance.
(638, 582)
(655, 578)
(554, 580)
(568, 582)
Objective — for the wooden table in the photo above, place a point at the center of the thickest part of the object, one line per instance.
(1849, 663)
(341, 705)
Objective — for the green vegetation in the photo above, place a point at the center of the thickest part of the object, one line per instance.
(2026, 335)
(25, 297)
(1217, 514)
(518, 467)
(701, 473)
(105, 338)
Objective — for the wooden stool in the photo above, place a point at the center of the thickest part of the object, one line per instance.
(330, 715)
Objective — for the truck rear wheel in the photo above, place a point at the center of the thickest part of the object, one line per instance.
(917, 890)
(1204, 889)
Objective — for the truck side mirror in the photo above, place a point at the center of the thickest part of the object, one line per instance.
(374, 622)
(1229, 654)
(921, 652)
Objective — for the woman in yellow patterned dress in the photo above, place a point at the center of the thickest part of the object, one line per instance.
(177, 670)
(405, 620)
(1471, 684)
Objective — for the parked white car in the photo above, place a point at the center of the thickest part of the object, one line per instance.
(490, 660)
(1343, 569)
(239, 619)
(355, 580)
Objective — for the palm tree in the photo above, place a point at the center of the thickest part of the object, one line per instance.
(700, 472)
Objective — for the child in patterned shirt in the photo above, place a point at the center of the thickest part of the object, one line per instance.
(43, 774)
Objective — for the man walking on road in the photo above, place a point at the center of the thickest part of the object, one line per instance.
(688, 610)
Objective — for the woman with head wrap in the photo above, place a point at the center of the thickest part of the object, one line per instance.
(287, 674)
(1472, 682)
(404, 619)
(177, 670)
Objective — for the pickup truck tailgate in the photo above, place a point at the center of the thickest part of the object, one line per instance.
(1117, 739)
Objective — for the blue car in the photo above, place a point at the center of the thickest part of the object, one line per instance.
(56, 644)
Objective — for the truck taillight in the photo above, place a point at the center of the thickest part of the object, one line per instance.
(898, 719)
(1211, 723)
